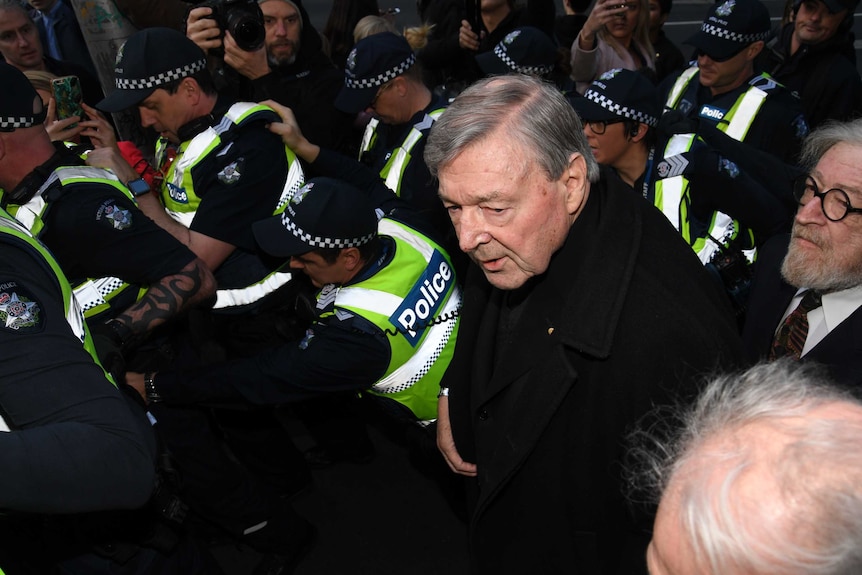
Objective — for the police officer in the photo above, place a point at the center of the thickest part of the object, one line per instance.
(222, 169)
(620, 111)
(72, 444)
(126, 269)
(386, 314)
(718, 103)
(382, 77)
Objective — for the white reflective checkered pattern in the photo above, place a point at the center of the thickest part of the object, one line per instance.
(725, 34)
(161, 79)
(620, 110)
(14, 123)
(380, 79)
(500, 51)
(321, 242)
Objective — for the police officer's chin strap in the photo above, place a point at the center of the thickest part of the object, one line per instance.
(27, 188)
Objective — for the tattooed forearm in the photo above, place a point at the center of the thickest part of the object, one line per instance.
(170, 296)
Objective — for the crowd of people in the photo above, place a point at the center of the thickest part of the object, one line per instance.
(576, 275)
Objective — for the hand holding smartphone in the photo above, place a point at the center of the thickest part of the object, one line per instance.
(473, 10)
(68, 97)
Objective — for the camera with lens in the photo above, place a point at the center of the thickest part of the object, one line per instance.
(242, 18)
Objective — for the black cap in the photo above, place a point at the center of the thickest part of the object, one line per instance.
(20, 105)
(324, 213)
(149, 59)
(620, 93)
(372, 62)
(834, 6)
(524, 50)
(730, 26)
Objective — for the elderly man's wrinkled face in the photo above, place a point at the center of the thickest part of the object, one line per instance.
(509, 217)
(826, 255)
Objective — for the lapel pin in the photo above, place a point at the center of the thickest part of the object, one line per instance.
(550, 330)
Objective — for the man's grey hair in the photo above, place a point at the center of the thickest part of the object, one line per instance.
(532, 112)
(826, 136)
(15, 5)
(817, 474)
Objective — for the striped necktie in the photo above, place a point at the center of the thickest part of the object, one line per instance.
(790, 337)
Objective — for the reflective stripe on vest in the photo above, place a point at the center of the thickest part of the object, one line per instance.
(392, 172)
(93, 294)
(181, 202)
(244, 296)
(418, 357)
(672, 194)
(369, 136)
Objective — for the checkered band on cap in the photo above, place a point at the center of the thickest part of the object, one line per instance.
(501, 52)
(380, 79)
(725, 34)
(321, 242)
(13, 123)
(160, 79)
(620, 110)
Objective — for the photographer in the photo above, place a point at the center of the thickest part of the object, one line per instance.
(290, 67)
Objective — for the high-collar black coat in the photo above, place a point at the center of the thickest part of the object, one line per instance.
(840, 351)
(624, 319)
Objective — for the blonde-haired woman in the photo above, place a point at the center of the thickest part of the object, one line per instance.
(615, 35)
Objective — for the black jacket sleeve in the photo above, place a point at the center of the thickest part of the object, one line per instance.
(332, 357)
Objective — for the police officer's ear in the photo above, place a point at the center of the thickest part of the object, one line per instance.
(190, 90)
(575, 180)
(351, 259)
(754, 49)
(638, 132)
(399, 85)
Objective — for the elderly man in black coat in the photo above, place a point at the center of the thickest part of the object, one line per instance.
(583, 311)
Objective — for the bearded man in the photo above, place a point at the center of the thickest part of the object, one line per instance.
(807, 291)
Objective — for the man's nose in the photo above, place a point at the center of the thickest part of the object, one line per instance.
(471, 229)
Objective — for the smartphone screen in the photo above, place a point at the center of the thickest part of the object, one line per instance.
(68, 97)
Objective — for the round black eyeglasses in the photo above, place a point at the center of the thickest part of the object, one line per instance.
(834, 202)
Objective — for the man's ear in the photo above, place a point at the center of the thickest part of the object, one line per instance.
(191, 90)
(754, 49)
(577, 185)
(641, 132)
(351, 258)
(400, 86)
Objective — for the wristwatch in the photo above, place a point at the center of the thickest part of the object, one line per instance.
(150, 388)
(138, 187)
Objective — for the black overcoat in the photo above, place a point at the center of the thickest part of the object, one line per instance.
(624, 319)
